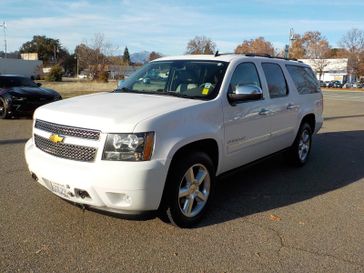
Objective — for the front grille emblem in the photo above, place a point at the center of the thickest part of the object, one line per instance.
(56, 138)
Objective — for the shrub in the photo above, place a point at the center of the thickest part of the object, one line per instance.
(55, 75)
(102, 76)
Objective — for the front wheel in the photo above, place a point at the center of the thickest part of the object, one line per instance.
(301, 148)
(190, 185)
(3, 109)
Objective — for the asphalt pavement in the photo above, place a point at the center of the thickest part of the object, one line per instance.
(267, 218)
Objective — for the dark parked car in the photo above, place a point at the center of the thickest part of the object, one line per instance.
(335, 84)
(20, 96)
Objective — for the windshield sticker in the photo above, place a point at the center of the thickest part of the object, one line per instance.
(205, 90)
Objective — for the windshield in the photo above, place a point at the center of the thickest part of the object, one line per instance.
(6, 82)
(182, 78)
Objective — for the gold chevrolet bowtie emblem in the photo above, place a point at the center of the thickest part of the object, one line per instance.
(56, 138)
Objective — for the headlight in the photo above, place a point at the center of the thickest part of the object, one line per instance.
(129, 147)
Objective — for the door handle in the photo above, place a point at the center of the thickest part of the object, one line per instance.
(264, 112)
(292, 106)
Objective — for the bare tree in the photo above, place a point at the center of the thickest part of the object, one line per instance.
(353, 42)
(94, 56)
(319, 66)
(201, 45)
(258, 45)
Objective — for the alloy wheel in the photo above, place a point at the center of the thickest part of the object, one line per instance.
(194, 190)
(304, 145)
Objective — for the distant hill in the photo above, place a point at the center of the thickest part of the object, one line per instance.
(140, 57)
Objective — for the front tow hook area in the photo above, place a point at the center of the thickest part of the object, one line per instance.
(82, 193)
(34, 176)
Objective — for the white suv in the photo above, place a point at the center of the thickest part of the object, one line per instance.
(158, 142)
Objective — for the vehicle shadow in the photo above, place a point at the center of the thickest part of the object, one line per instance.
(336, 161)
(343, 117)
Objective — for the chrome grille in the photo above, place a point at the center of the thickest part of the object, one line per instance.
(67, 130)
(63, 150)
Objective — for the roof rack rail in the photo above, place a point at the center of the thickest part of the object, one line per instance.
(217, 53)
(258, 55)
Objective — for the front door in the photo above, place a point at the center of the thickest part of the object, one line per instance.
(247, 124)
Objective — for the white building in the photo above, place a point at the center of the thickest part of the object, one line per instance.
(330, 69)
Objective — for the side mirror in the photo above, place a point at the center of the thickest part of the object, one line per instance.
(245, 93)
(39, 84)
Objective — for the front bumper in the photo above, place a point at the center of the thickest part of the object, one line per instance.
(120, 187)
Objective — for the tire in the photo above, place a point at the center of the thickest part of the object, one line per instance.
(189, 189)
(301, 148)
(3, 109)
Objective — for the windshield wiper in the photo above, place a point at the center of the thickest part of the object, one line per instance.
(157, 92)
(181, 95)
(128, 90)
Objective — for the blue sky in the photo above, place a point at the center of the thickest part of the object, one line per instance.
(166, 26)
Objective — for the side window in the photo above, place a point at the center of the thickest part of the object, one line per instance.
(276, 81)
(304, 79)
(244, 74)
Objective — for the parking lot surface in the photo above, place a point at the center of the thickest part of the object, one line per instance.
(267, 218)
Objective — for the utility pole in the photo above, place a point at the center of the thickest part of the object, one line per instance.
(290, 43)
(4, 28)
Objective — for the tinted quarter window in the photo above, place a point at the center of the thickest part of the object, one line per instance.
(304, 79)
(244, 74)
(276, 81)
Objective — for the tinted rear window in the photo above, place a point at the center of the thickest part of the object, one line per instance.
(304, 79)
(276, 81)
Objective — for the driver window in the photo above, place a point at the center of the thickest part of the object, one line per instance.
(244, 74)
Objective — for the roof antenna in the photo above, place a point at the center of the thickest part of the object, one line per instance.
(217, 53)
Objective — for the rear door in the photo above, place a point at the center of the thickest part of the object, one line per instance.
(283, 106)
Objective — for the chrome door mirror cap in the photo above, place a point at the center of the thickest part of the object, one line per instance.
(245, 93)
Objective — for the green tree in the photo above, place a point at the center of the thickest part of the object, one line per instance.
(69, 64)
(49, 50)
(126, 56)
(55, 75)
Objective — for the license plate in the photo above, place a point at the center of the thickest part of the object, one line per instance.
(57, 188)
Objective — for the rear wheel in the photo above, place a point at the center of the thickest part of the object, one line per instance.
(3, 109)
(190, 186)
(301, 147)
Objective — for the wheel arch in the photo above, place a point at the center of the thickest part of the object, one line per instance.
(310, 119)
(208, 146)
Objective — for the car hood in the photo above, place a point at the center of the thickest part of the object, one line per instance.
(32, 91)
(110, 112)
